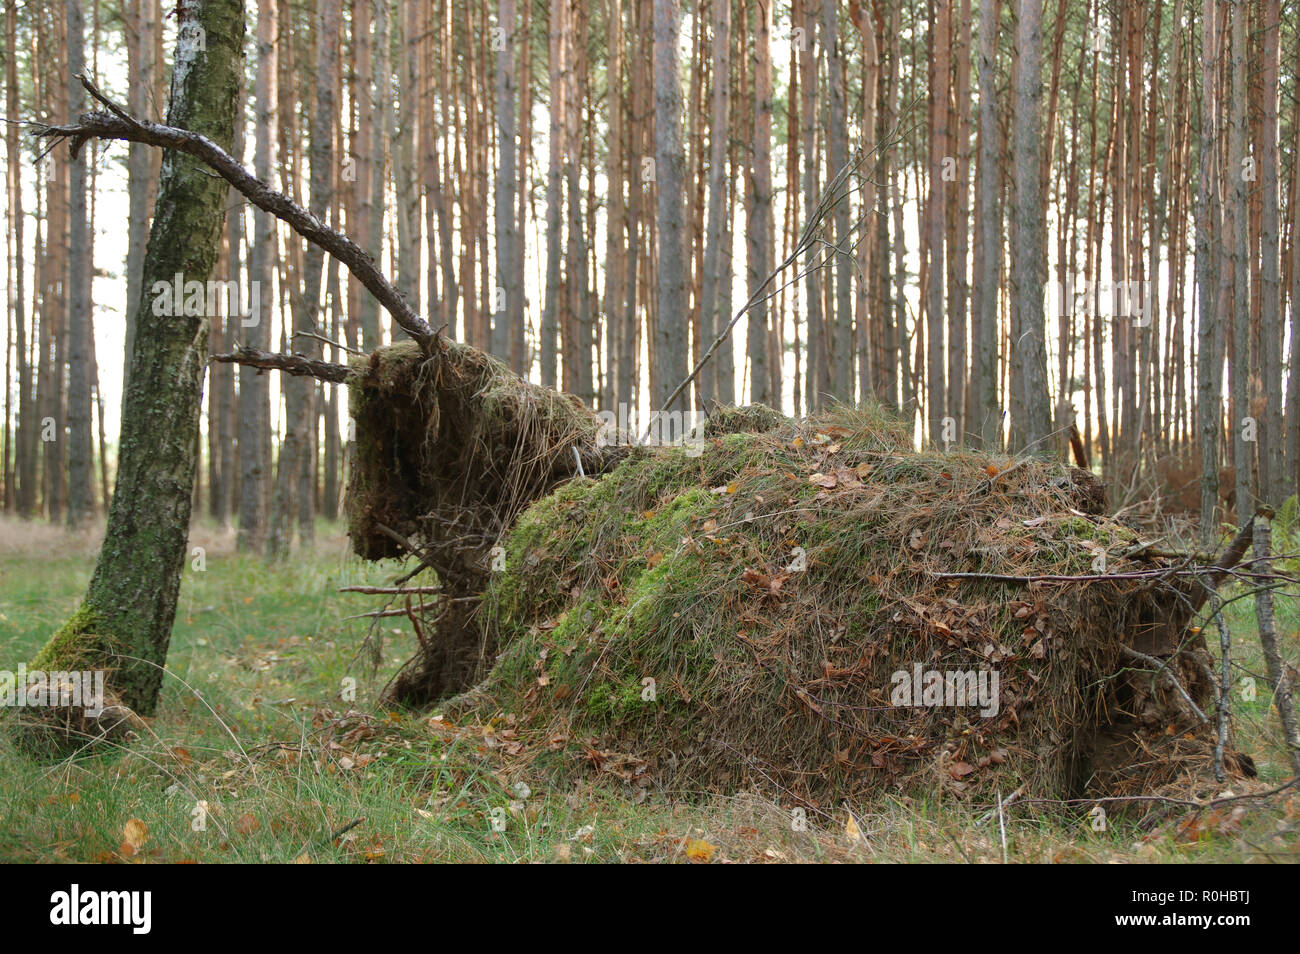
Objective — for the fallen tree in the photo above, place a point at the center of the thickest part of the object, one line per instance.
(797, 607)
(787, 608)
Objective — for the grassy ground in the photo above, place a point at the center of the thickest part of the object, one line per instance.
(257, 755)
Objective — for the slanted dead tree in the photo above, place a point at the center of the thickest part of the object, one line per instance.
(451, 444)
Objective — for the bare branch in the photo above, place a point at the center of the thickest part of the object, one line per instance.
(1162, 669)
(295, 364)
(116, 124)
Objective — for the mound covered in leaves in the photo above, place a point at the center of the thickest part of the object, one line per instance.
(771, 608)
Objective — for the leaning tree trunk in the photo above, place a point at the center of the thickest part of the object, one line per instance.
(124, 624)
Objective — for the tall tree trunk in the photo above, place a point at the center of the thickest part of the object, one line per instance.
(126, 617)
(554, 303)
(817, 381)
(670, 289)
(578, 357)
(236, 319)
(616, 216)
(1031, 248)
(520, 356)
(759, 235)
(506, 235)
(936, 395)
(1293, 364)
(376, 194)
(841, 321)
(143, 26)
(719, 384)
(302, 395)
(985, 406)
(1239, 371)
(27, 427)
(54, 274)
(959, 227)
(1272, 440)
(254, 386)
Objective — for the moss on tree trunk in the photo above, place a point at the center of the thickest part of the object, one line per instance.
(125, 621)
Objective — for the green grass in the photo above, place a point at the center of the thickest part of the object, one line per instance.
(252, 723)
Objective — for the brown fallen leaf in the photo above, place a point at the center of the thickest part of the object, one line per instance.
(134, 834)
(700, 851)
(247, 823)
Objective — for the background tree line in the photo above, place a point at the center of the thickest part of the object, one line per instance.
(590, 190)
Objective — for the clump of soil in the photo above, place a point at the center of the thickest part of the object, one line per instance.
(449, 449)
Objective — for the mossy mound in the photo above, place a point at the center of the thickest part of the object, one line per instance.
(746, 616)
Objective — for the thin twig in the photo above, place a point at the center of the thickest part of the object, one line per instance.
(386, 590)
(328, 341)
(1162, 669)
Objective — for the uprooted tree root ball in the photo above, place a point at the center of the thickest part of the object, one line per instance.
(449, 449)
(769, 608)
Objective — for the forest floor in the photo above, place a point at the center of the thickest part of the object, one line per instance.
(255, 756)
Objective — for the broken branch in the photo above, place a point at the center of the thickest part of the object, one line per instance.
(117, 124)
(295, 364)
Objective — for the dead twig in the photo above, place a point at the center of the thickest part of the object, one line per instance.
(296, 364)
(390, 590)
(1162, 669)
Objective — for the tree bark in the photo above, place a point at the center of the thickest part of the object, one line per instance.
(670, 289)
(254, 387)
(27, 425)
(988, 249)
(554, 303)
(719, 385)
(1239, 370)
(1271, 440)
(936, 392)
(506, 235)
(143, 25)
(1027, 283)
(126, 618)
(841, 321)
(759, 232)
(1209, 224)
